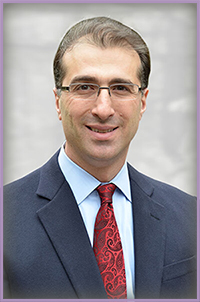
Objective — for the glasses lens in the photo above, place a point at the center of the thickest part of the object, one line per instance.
(84, 90)
(124, 91)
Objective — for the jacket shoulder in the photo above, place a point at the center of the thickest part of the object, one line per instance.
(20, 186)
(29, 184)
(156, 188)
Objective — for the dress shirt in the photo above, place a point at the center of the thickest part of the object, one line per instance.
(83, 186)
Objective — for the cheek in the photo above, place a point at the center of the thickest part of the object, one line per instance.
(73, 115)
(66, 115)
(130, 112)
(131, 118)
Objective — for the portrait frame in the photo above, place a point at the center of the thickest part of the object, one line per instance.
(2, 113)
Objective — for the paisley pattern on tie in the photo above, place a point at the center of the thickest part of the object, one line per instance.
(107, 246)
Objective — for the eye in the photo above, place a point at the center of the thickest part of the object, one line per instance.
(88, 87)
(120, 87)
(84, 87)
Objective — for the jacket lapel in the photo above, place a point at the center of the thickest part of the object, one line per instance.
(64, 225)
(149, 240)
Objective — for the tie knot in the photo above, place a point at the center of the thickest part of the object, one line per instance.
(106, 192)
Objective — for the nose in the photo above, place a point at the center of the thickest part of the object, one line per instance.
(103, 106)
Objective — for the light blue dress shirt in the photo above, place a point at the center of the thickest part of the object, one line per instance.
(83, 186)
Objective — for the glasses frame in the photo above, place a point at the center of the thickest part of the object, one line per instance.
(67, 88)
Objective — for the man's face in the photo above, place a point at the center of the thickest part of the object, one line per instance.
(98, 132)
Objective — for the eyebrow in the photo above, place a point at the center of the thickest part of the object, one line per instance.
(91, 79)
(83, 79)
(120, 80)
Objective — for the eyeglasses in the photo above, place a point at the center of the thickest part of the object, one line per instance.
(89, 91)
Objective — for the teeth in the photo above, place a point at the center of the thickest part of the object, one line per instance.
(101, 131)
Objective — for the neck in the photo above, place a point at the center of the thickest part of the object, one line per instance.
(102, 170)
(104, 173)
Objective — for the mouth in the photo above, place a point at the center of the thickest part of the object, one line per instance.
(98, 130)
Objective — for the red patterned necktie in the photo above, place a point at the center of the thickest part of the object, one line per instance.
(107, 246)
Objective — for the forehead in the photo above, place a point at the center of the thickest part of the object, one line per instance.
(86, 59)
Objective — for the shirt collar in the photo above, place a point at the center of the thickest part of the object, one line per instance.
(82, 183)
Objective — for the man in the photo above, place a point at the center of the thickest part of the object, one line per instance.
(52, 235)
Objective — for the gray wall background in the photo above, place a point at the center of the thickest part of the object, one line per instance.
(165, 145)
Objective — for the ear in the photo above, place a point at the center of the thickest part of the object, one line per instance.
(57, 99)
(143, 102)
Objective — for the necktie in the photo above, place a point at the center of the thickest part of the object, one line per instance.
(107, 246)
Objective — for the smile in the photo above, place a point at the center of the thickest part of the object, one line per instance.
(101, 130)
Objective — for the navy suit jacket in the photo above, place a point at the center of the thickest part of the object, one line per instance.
(47, 252)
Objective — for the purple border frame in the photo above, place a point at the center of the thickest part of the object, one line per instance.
(1, 137)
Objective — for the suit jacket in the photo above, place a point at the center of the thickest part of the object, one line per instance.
(47, 252)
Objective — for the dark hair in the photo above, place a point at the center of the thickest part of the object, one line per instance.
(103, 32)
